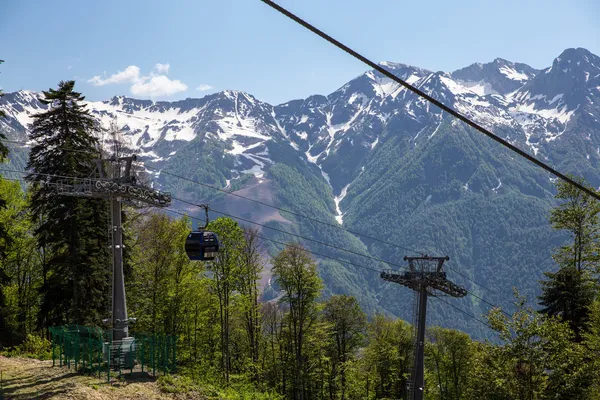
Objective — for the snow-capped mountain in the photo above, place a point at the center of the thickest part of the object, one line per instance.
(372, 154)
(529, 107)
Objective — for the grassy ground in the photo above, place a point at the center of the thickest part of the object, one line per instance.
(26, 378)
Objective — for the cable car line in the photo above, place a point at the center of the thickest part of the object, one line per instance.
(279, 230)
(285, 244)
(347, 230)
(424, 95)
(467, 313)
(322, 243)
(297, 214)
(285, 210)
(356, 265)
(294, 234)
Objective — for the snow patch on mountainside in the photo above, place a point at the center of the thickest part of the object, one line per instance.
(511, 73)
(337, 199)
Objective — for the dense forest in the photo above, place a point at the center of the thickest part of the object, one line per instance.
(302, 343)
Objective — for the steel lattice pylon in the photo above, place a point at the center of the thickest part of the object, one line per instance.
(427, 278)
(117, 183)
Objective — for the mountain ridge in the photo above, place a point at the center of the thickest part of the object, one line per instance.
(373, 157)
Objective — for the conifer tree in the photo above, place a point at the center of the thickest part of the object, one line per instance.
(569, 292)
(72, 230)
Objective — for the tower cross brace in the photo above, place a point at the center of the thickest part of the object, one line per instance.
(427, 278)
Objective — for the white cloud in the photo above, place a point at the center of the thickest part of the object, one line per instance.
(204, 87)
(155, 84)
(130, 74)
(160, 68)
(159, 85)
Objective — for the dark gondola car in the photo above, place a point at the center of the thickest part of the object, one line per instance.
(202, 245)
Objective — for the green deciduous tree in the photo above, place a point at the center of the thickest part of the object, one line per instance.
(347, 327)
(296, 273)
(226, 268)
(160, 271)
(591, 345)
(569, 292)
(251, 266)
(538, 359)
(73, 231)
(21, 264)
(388, 358)
(448, 356)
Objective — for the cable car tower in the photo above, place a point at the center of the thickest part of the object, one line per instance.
(116, 182)
(427, 278)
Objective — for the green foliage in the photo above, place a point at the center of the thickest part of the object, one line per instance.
(538, 360)
(34, 346)
(176, 384)
(591, 345)
(387, 358)
(448, 356)
(21, 266)
(226, 270)
(443, 196)
(161, 273)
(298, 188)
(567, 294)
(578, 215)
(348, 323)
(570, 291)
(296, 273)
(202, 160)
(70, 231)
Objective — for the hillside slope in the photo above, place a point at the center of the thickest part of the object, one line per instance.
(373, 158)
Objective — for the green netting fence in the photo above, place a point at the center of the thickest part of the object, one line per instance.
(92, 349)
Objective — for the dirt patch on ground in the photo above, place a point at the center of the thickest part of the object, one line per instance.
(24, 378)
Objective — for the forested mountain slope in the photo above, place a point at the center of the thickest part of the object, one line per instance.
(371, 157)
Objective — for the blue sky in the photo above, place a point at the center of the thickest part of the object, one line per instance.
(187, 48)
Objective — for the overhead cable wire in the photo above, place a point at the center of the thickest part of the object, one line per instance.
(321, 243)
(309, 218)
(424, 95)
(314, 253)
(285, 210)
(287, 244)
(293, 234)
(347, 230)
(272, 228)
(42, 174)
(266, 205)
(466, 313)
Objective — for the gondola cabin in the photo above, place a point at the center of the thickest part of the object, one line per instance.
(202, 245)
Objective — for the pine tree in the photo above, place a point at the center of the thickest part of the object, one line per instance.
(72, 231)
(569, 292)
